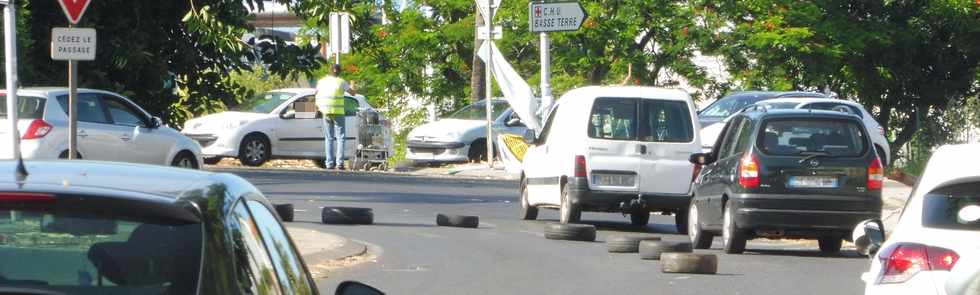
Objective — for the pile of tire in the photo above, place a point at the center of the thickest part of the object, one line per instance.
(570, 232)
(347, 215)
(457, 220)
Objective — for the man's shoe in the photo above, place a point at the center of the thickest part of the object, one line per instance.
(340, 167)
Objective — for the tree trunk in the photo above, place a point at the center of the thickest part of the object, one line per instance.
(478, 75)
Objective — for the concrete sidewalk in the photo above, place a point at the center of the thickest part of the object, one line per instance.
(323, 251)
(893, 196)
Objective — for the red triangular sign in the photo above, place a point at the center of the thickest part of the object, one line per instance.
(74, 9)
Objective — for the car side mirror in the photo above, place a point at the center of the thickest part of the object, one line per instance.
(515, 121)
(530, 137)
(868, 236)
(288, 115)
(700, 159)
(155, 122)
(356, 288)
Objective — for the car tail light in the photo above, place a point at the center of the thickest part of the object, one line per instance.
(37, 129)
(25, 197)
(875, 175)
(908, 259)
(748, 171)
(697, 169)
(580, 166)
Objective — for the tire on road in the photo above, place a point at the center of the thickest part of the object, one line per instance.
(347, 215)
(627, 244)
(285, 211)
(652, 250)
(695, 263)
(457, 220)
(829, 245)
(570, 231)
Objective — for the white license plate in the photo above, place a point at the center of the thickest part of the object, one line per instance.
(613, 179)
(813, 181)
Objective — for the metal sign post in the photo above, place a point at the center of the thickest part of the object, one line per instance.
(72, 45)
(552, 17)
(487, 9)
(10, 59)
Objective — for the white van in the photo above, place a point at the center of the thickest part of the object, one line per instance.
(613, 149)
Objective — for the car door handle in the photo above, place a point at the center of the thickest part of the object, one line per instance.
(125, 137)
(641, 149)
(81, 133)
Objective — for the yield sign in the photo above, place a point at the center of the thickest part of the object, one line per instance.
(74, 9)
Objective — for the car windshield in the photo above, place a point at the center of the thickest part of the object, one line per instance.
(97, 254)
(799, 136)
(478, 111)
(28, 107)
(265, 103)
(942, 207)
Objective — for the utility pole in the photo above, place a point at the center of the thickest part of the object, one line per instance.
(477, 86)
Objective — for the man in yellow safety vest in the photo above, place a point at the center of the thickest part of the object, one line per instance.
(330, 101)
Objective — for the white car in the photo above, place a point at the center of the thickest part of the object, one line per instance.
(110, 128)
(710, 133)
(939, 224)
(462, 136)
(613, 149)
(271, 129)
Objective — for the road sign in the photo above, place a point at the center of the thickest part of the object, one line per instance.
(339, 32)
(74, 9)
(481, 33)
(485, 8)
(556, 16)
(73, 44)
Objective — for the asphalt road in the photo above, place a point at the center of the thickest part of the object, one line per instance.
(508, 256)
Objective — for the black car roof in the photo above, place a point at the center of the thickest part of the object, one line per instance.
(797, 113)
(774, 94)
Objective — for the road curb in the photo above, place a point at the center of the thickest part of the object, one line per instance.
(348, 248)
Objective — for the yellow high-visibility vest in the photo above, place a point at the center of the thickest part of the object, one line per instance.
(330, 96)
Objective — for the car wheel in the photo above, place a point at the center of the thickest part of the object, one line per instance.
(64, 155)
(640, 217)
(571, 232)
(651, 250)
(733, 238)
(184, 160)
(528, 212)
(689, 263)
(255, 150)
(829, 245)
(699, 238)
(212, 160)
(627, 244)
(680, 221)
(457, 220)
(477, 151)
(568, 213)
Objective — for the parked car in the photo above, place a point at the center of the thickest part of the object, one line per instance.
(786, 174)
(462, 136)
(937, 234)
(710, 133)
(270, 128)
(613, 149)
(110, 128)
(732, 103)
(87, 227)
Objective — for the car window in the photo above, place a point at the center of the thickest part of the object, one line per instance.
(744, 135)
(546, 130)
(478, 111)
(613, 118)
(794, 136)
(731, 131)
(665, 121)
(264, 103)
(78, 251)
(255, 272)
(726, 106)
(289, 267)
(89, 108)
(122, 113)
(832, 106)
(941, 207)
(28, 107)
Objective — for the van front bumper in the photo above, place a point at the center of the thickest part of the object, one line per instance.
(588, 199)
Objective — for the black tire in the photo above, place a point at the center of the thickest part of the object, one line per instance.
(571, 232)
(64, 155)
(528, 212)
(185, 159)
(285, 212)
(568, 212)
(651, 250)
(640, 218)
(477, 151)
(829, 245)
(733, 238)
(627, 244)
(689, 263)
(680, 221)
(255, 150)
(319, 163)
(347, 215)
(212, 160)
(699, 238)
(457, 220)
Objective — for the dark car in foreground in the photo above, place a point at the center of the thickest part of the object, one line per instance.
(83, 227)
(786, 174)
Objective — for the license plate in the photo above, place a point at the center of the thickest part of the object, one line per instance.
(812, 181)
(613, 179)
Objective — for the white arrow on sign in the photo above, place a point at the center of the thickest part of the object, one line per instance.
(556, 16)
(481, 33)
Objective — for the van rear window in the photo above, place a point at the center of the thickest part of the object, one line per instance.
(613, 118)
(643, 119)
(28, 107)
(795, 136)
